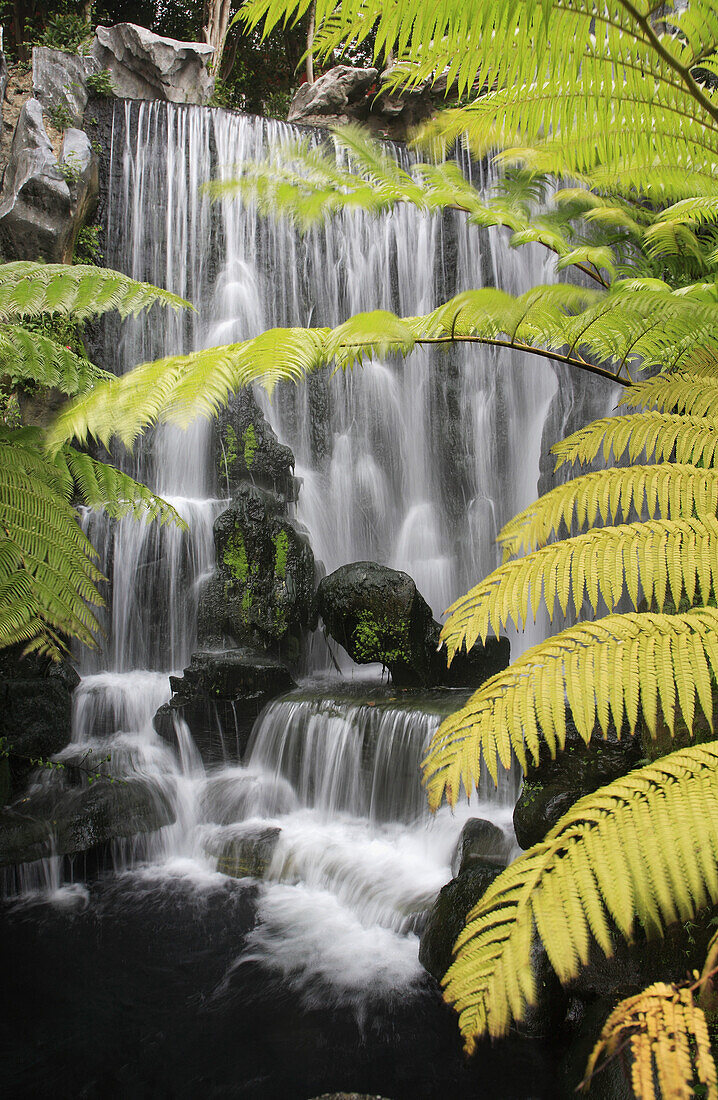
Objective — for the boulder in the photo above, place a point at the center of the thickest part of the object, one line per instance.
(143, 65)
(378, 615)
(35, 710)
(219, 697)
(59, 81)
(43, 201)
(480, 842)
(262, 594)
(35, 204)
(448, 914)
(339, 96)
(247, 450)
(64, 820)
(550, 788)
(244, 851)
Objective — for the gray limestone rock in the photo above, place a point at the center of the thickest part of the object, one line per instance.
(35, 204)
(143, 65)
(3, 81)
(338, 96)
(59, 80)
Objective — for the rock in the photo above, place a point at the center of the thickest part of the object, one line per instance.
(35, 204)
(219, 696)
(262, 594)
(552, 787)
(143, 65)
(480, 842)
(447, 916)
(337, 97)
(245, 852)
(247, 450)
(44, 202)
(377, 614)
(59, 81)
(3, 81)
(71, 820)
(35, 710)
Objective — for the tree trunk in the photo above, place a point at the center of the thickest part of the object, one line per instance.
(214, 29)
(310, 43)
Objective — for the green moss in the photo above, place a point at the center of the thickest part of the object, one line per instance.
(380, 640)
(246, 599)
(250, 446)
(235, 557)
(281, 550)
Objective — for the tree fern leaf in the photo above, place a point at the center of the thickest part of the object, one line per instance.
(542, 882)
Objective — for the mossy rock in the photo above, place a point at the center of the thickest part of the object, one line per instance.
(247, 450)
(262, 593)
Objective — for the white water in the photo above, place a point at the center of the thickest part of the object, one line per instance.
(416, 464)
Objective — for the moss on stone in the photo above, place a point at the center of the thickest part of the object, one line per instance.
(281, 551)
(250, 445)
(235, 557)
(230, 446)
(380, 640)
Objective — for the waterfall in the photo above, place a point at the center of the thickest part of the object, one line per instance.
(413, 463)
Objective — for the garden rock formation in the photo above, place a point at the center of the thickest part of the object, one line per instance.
(59, 81)
(378, 615)
(143, 65)
(222, 692)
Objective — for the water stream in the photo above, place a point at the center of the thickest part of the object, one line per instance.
(415, 464)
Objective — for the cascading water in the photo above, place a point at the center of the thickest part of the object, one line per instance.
(415, 464)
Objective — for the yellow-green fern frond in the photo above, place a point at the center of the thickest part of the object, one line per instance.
(604, 671)
(667, 1038)
(663, 436)
(47, 571)
(645, 847)
(657, 559)
(102, 486)
(668, 490)
(681, 392)
(28, 289)
(31, 357)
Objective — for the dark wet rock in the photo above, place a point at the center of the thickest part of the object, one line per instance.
(219, 697)
(348, 1096)
(247, 450)
(52, 821)
(447, 916)
(262, 593)
(246, 853)
(59, 81)
(339, 96)
(45, 201)
(143, 65)
(377, 614)
(552, 787)
(35, 710)
(480, 842)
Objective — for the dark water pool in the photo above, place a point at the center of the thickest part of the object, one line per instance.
(133, 992)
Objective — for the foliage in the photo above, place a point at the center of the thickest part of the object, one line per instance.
(61, 116)
(48, 575)
(88, 247)
(100, 84)
(667, 1036)
(645, 846)
(65, 31)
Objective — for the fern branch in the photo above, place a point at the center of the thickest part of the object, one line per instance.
(644, 847)
(606, 670)
(662, 436)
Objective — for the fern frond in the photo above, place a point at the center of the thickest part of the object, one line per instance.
(645, 847)
(102, 486)
(667, 1036)
(681, 392)
(604, 670)
(47, 572)
(662, 436)
(31, 357)
(669, 490)
(657, 559)
(28, 289)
